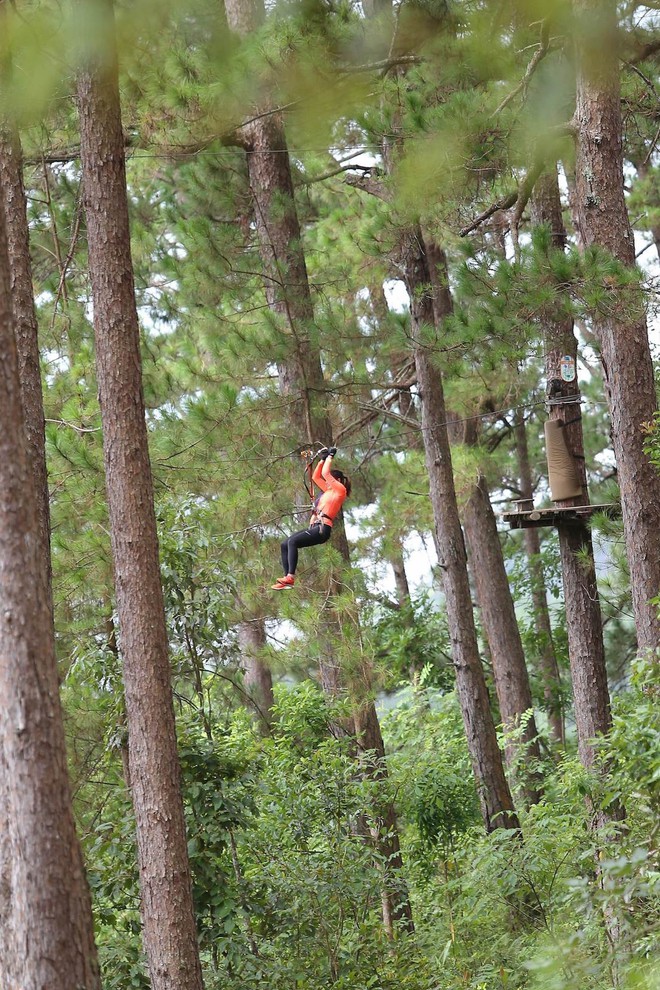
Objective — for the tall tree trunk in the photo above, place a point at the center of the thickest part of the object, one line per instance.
(48, 920)
(301, 378)
(552, 689)
(400, 576)
(257, 678)
(26, 331)
(430, 302)
(622, 334)
(583, 619)
(399, 360)
(7, 953)
(168, 920)
(286, 282)
(500, 625)
(424, 267)
(397, 910)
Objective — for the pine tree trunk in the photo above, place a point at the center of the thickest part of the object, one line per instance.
(286, 282)
(552, 689)
(622, 332)
(168, 921)
(399, 360)
(583, 618)
(7, 954)
(300, 375)
(427, 308)
(501, 628)
(257, 678)
(426, 277)
(26, 332)
(400, 577)
(397, 910)
(48, 936)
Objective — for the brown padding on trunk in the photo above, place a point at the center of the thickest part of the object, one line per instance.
(564, 482)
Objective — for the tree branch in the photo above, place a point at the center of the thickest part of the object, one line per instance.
(538, 56)
(58, 156)
(383, 600)
(385, 64)
(520, 197)
(501, 204)
(646, 51)
(383, 409)
(524, 192)
(367, 169)
(369, 185)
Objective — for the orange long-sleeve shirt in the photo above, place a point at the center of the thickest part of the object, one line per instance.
(334, 494)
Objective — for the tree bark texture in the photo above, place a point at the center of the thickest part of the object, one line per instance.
(500, 625)
(168, 921)
(399, 360)
(398, 563)
(286, 281)
(48, 930)
(288, 295)
(583, 618)
(257, 678)
(7, 955)
(622, 333)
(397, 910)
(428, 306)
(26, 331)
(300, 375)
(549, 667)
(586, 649)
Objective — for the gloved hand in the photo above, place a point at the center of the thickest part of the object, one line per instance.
(332, 452)
(322, 454)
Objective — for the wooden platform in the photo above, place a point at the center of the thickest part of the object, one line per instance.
(554, 515)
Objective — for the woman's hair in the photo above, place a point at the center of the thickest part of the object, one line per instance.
(340, 476)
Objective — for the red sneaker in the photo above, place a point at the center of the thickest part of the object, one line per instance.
(283, 583)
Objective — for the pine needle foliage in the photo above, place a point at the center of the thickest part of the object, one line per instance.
(430, 114)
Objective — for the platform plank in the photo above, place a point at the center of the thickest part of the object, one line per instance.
(555, 515)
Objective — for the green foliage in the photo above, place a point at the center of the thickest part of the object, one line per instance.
(633, 747)
(431, 762)
(412, 644)
(296, 900)
(307, 893)
(442, 121)
(220, 778)
(198, 585)
(114, 886)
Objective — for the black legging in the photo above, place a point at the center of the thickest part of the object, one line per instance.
(318, 533)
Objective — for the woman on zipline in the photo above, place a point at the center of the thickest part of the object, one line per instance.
(335, 488)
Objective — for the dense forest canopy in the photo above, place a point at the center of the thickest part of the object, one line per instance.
(424, 234)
